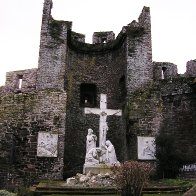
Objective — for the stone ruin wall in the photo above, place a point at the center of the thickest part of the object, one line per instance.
(104, 69)
(23, 115)
(71, 62)
(179, 114)
(28, 78)
(166, 106)
(144, 116)
(50, 96)
(164, 70)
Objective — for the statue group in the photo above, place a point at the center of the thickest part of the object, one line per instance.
(104, 154)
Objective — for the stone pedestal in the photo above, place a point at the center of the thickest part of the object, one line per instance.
(97, 169)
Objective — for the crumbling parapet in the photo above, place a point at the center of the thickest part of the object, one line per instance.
(103, 37)
(78, 36)
(191, 68)
(164, 70)
(20, 81)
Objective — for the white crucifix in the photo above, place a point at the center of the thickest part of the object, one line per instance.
(103, 112)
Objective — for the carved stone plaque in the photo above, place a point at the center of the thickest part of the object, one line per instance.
(146, 148)
(47, 144)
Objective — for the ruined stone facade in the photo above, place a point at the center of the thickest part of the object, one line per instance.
(71, 75)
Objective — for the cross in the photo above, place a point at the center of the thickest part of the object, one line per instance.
(103, 112)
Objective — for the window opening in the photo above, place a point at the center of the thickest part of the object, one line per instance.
(122, 87)
(88, 95)
(104, 40)
(163, 72)
(20, 78)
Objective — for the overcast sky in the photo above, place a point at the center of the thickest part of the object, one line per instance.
(173, 27)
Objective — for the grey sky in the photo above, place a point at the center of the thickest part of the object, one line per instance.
(173, 27)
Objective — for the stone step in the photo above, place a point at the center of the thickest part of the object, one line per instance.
(61, 188)
(191, 175)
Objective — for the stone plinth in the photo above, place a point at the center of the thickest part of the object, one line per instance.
(97, 169)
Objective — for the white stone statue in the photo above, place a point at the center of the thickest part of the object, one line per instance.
(103, 134)
(110, 156)
(90, 140)
(96, 155)
(92, 157)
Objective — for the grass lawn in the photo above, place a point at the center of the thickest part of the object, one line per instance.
(173, 182)
(164, 194)
(171, 194)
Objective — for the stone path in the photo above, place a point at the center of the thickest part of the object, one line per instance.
(191, 192)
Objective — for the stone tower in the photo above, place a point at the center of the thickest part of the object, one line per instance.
(53, 48)
(139, 52)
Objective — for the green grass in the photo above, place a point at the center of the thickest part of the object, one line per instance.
(173, 182)
(79, 195)
(164, 194)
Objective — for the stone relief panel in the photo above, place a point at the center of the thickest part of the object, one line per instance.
(146, 148)
(47, 144)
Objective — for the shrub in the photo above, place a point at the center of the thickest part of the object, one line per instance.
(6, 193)
(169, 158)
(131, 176)
(24, 191)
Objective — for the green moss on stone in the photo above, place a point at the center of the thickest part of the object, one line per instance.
(75, 35)
(96, 48)
(135, 32)
(143, 104)
(55, 30)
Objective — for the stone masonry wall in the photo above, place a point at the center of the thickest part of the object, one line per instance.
(22, 116)
(179, 115)
(166, 106)
(144, 116)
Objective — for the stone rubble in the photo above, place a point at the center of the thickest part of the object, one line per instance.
(92, 180)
